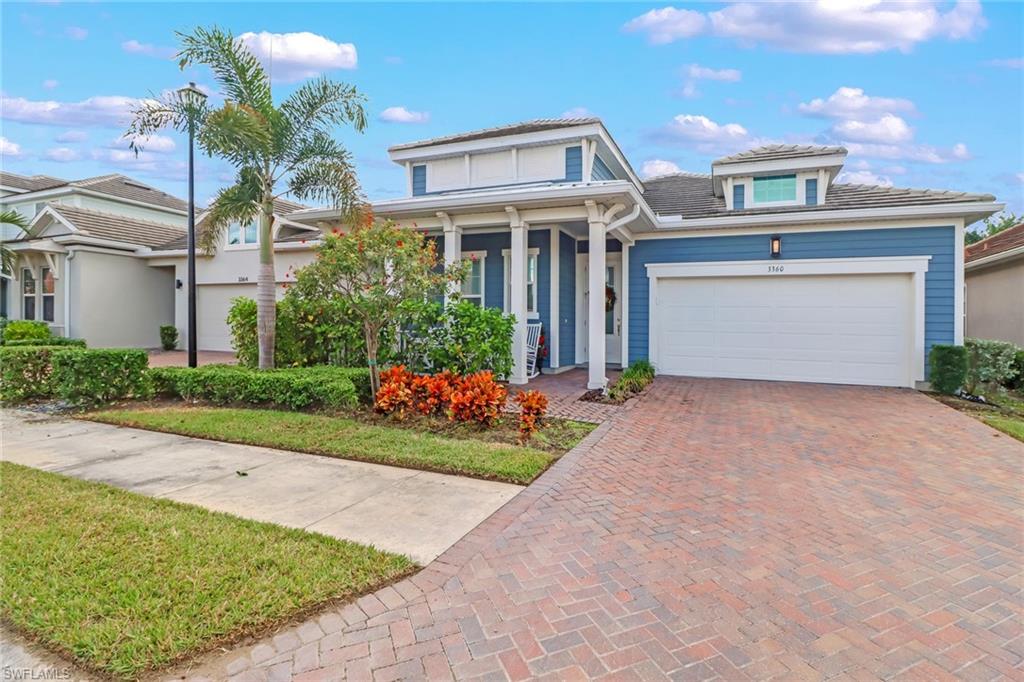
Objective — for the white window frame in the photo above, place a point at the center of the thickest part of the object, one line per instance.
(26, 275)
(243, 243)
(532, 310)
(481, 257)
(42, 295)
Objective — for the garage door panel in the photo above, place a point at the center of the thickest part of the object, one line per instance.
(836, 329)
(213, 301)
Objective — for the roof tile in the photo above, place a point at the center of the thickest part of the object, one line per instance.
(1010, 238)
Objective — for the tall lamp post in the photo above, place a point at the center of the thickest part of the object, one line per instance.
(193, 97)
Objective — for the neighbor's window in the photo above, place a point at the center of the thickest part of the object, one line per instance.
(473, 285)
(238, 236)
(531, 282)
(49, 289)
(28, 294)
(773, 189)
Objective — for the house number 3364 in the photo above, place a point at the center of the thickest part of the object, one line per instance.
(776, 268)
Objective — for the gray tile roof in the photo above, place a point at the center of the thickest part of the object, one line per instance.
(30, 183)
(282, 207)
(773, 152)
(114, 184)
(118, 227)
(534, 126)
(691, 196)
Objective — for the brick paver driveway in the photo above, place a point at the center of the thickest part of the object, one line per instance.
(721, 528)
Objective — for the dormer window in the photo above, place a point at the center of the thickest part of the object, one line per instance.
(775, 189)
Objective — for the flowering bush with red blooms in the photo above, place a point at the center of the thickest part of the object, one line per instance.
(396, 393)
(433, 393)
(532, 407)
(477, 398)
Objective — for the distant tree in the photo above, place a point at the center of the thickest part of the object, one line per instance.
(992, 225)
(276, 149)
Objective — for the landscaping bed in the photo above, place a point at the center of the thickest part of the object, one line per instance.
(426, 443)
(125, 584)
(1002, 412)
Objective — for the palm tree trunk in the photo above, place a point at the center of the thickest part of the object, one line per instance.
(266, 300)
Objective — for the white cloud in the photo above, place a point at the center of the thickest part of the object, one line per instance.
(147, 49)
(889, 129)
(864, 177)
(707, 136)
(160, 144)
(577, 112)
(103, 110)
(295, 56)
(61, 154)
(72, 136)
(655, 167)
(667, 24)
(403, 115)
(76, 33)
(850, 103)
(145, 162)
(922, 153)
(9, 149)
(822, 26)
(50, 83)
(695, 72)
(1012, 63)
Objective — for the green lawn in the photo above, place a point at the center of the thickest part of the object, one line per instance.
(344, 437)
(1013, 426)
(125, 583)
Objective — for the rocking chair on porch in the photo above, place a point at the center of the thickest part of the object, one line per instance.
(532, 349)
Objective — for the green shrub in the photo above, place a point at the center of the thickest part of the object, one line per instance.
(3, 326)
(1017, 382)
(52, 341)
(990, 364)
(26, 329)
(25, 373)
(462, 338)
(948, 368)
(634, 379)
(87, 377)
(294, 388)
(168, 336)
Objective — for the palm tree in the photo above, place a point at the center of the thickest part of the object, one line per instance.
(8, 257)
(275, 149)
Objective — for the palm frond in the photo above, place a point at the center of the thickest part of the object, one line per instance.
(237, 133)
(239, 74)
(8, 258)
(236, 204)
(328, 180)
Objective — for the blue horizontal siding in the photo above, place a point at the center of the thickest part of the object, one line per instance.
(419, 180)
(937, 242)
(566, 300)
(738, 197)
(811, 192)
(601, 170)
(574, 164)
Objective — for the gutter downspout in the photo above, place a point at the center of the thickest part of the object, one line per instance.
(628, 218)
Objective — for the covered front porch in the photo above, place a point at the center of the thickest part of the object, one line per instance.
(540, 265)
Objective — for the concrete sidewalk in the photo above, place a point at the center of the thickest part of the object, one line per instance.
(419, 514)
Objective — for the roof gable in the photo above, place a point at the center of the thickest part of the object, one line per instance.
(534, 126)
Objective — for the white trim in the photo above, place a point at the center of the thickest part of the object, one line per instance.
(994, 258)
(624, 306)
(62, 191)
(555, 281)
(793, 229)
(581, 309)
(959, 287)
(916, 266)
(506, 255)
(481, 257)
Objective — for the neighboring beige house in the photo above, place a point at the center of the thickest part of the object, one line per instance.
(79, 268)
(994, 275)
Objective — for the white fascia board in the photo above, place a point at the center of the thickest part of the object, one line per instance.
(851, 214)
(12, 190)
(441, 150)
(504, 196)
(994, 258)
(793, 266)
(47, 245)
(97, 241)
(45, 194)
(54, 215)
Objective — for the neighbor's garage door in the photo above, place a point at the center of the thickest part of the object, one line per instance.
(212, 304)
(846, 329)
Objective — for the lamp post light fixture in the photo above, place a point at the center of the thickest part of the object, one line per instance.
(193, 99)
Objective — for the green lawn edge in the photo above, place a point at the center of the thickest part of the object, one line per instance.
(342, 437)
(125, 584)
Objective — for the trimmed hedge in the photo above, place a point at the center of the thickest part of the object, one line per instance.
(990, 364)
(26, 329)
(948, 366)
(52, 341)
(78, 375)
(294, 387)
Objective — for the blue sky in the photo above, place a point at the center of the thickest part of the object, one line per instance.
(923, 95)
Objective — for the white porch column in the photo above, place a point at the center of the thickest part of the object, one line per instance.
(452, 247)
(595, 309)
(517, 298)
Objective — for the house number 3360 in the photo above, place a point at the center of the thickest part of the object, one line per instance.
(776, 268)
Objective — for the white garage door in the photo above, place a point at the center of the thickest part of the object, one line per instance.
(212, 304)
(844, 329)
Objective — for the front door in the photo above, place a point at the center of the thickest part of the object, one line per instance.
(613, 308)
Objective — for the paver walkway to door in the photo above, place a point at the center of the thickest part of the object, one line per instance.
(729, 529)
